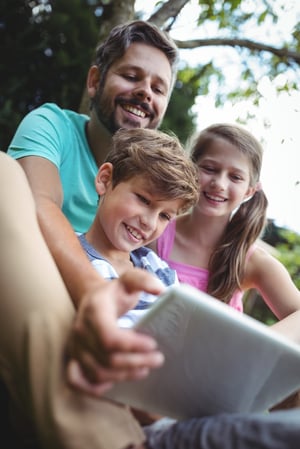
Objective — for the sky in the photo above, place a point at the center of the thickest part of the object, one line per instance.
(276, 119)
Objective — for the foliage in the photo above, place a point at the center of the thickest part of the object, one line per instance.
(287, 244)
(290, 254)
(183, 98)
(48, 46)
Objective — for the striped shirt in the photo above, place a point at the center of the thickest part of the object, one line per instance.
(143, 258)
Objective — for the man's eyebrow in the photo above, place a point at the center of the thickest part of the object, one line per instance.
(137, 68)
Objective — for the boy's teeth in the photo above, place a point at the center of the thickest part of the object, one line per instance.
(134, 232)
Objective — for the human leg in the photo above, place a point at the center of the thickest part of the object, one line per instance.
(276, 430)
(35, 319)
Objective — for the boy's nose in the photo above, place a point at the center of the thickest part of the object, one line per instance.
(149, 221)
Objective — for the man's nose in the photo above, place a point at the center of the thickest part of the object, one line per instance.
(143, 91)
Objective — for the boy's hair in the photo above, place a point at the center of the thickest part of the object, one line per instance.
(122, 36)
(160, 159)
(227, 263)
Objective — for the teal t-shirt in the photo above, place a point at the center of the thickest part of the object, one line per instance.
(59, 136)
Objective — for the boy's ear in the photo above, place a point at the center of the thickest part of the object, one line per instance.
(103, 178)
(92, 81)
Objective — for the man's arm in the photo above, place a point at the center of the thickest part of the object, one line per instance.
(74, 266)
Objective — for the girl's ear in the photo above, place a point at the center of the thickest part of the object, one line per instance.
(250, 192)
(103, 178)
(92, 81)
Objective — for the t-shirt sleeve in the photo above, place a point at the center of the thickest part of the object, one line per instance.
(40, 134)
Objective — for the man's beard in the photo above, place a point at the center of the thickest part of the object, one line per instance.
(104, 113)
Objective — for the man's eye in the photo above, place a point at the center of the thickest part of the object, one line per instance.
(159, 90)
(129, 77)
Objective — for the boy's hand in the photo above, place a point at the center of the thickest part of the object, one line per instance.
(100, 352)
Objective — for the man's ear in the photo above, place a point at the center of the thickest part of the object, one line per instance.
(104, 178)
(92, 81)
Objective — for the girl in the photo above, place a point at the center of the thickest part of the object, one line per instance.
(213, 246)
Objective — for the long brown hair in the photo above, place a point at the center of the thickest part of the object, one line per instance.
(227, 263)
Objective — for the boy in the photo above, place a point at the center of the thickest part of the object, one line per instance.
(146, 181)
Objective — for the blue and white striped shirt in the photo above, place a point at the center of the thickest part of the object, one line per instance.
(142, 258)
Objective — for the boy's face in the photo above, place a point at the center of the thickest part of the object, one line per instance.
(130, 216)
(136, 90)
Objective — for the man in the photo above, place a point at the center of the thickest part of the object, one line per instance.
(129, 86)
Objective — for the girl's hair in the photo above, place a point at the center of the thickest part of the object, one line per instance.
(160, 159)
(122, 36)
(227, 263)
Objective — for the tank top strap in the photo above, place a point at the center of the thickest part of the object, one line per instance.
(165, 241)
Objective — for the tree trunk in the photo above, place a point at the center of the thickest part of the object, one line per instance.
(115, 13)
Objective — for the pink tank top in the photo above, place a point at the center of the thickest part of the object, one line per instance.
(189, 274)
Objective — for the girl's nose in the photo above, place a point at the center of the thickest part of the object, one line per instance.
(218, 182)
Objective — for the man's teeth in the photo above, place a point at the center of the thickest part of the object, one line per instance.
(134, 233)
(135, 111)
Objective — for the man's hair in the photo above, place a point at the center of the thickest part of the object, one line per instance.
(160, 159)
(122, 36)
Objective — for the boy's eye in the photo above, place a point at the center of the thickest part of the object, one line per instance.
(143, 199)
(165, 216)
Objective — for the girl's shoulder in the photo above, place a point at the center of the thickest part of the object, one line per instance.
(261, 258)
(260, 252)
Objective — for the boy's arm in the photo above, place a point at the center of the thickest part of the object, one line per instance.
(97, 342)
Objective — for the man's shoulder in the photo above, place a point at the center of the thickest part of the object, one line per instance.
(55, 112)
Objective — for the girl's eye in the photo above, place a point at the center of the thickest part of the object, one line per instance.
(207, 168)
(236, 178)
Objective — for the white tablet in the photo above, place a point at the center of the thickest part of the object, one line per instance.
(216, 360)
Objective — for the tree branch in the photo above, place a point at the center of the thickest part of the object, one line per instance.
(245, 43)
(169, 9)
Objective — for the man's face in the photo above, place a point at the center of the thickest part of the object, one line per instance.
(136, 90)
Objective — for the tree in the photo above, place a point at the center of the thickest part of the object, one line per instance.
(49, 45)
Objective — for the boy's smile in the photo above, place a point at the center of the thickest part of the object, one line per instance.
(130, 216)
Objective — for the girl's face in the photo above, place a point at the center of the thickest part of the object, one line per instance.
(224, 178)
(130, 215)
